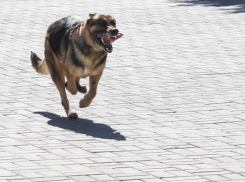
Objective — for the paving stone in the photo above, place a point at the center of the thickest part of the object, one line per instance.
(216, 178)
(6, 173)
(102, 177)
(153, 180)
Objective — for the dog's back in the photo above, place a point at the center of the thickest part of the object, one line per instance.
(58, 34)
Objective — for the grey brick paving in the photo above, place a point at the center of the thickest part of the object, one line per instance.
(170, 106)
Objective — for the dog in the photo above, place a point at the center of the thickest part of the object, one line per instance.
(76, 49)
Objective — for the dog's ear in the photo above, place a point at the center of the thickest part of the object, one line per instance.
(90, 18)
(92, 15)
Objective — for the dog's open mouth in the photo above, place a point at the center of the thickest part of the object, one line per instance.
(107, 41)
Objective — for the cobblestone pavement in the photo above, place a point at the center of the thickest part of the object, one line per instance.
(170, 105)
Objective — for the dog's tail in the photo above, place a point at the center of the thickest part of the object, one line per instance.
(39, 65)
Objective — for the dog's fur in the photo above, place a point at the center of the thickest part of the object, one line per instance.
(76, 49)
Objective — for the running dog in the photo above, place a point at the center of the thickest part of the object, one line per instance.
(77, 49)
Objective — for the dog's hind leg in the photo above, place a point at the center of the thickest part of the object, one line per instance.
(59, 80)
(80, 88)
(93, 83)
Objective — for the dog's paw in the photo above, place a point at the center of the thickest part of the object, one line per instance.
(72, 115)
(82, 89)
(84, 103)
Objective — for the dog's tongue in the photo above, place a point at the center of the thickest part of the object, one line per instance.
(109, 40)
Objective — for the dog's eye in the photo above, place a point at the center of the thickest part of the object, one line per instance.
(113, 23)
(103, 23)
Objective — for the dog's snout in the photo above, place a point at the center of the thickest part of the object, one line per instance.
(114, 31)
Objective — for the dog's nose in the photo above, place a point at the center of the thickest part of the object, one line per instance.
(114, 31)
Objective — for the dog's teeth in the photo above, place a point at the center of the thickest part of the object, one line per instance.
(112, 37)
(102, 41)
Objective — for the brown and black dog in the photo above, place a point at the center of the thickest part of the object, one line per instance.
(77, 49)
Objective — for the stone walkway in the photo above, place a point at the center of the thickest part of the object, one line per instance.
(170, 105)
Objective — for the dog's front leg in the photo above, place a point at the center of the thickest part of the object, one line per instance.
(80, 88)
(93, 83)
(71, 84)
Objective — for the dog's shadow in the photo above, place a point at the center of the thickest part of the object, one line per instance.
(83, 126)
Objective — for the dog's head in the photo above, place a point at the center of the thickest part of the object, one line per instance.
(102, 32)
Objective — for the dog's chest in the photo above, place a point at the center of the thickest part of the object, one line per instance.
(90, 68)
(84, 66)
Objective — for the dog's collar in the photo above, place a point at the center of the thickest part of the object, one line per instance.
(89, 46)
(79, 39)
